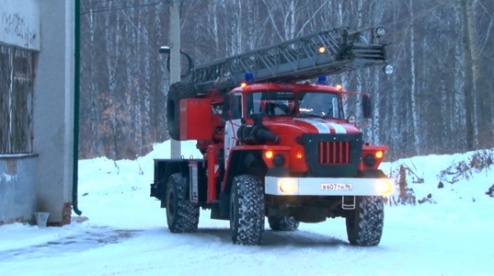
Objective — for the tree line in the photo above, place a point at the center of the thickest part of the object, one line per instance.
(438, 100)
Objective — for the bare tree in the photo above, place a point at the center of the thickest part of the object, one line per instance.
(471, 73)
(441, 50)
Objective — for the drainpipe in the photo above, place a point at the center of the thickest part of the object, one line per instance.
(77, 62)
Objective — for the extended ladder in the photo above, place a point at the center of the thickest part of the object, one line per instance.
(306, 57)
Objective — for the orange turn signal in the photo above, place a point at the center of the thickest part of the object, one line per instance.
(269, 154)
(379, 154)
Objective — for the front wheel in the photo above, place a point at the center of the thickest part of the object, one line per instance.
(182, 215)
(246, 210)
(364, 225)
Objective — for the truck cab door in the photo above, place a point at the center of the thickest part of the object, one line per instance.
(232, 124)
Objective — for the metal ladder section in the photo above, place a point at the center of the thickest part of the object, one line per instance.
(294, 60)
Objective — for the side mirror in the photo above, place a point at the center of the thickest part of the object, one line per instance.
(366, 106)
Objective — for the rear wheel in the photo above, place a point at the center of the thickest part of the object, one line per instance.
(364, 225)
(177, 92)
(285, 223)
(247, 210)
(182, 215)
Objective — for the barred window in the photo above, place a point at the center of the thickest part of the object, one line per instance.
(16, 99)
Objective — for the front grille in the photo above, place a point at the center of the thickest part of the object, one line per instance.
(334, 153)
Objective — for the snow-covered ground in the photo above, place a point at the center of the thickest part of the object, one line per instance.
(452, 233)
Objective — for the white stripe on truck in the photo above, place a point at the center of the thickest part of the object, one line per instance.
(323, 126)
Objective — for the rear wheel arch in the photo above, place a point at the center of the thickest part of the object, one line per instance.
(164, 169)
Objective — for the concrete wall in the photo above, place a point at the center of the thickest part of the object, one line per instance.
(54, 110)
(42, 181)
(17, 188)
(20, 24)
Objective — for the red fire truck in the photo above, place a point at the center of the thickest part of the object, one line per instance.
(276, 144)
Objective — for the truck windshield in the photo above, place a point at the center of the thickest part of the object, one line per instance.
(272, 103)
(320, 104)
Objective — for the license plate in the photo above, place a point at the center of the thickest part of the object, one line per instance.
(336, 187)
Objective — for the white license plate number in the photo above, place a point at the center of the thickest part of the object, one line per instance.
(336, 187)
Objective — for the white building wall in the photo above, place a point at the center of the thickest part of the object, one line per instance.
(20, 23)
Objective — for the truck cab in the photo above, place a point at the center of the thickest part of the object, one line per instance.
(311, 161)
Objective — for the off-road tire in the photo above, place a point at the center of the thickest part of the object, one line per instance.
(177, 92)
(364, 225)
(285, 223)
(182, 215)
(247, 210)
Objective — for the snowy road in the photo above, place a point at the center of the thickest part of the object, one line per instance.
(126, 234)
(432, 243)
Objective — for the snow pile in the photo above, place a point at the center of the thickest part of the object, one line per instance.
(444, 179)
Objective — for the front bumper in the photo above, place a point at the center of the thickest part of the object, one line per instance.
(328, 186)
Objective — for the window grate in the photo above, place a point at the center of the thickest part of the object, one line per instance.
(16, 100)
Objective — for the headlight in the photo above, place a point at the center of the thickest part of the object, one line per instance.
(287, 186)
(385, 187)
